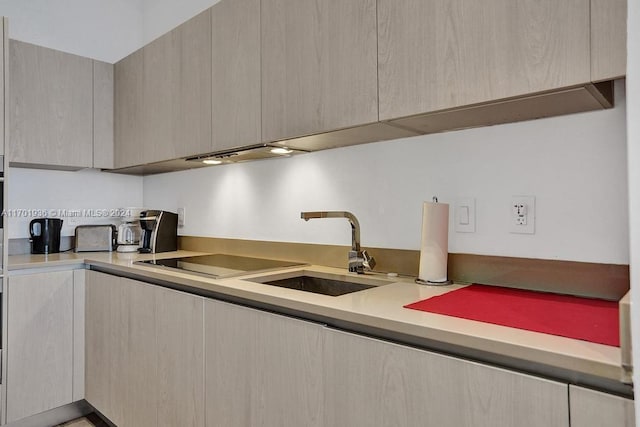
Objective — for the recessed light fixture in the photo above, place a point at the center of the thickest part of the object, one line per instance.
(281, 150)
(212, 161)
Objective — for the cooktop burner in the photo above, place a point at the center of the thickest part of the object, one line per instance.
(219, 265)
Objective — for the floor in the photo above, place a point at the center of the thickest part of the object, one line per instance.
(91, 420)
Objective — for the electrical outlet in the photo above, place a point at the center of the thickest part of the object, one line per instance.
(522, 218)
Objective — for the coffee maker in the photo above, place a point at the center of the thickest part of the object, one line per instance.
(159, 231)
(45, 235)
(130, 232)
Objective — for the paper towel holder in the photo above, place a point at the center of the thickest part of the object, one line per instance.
(432, 282)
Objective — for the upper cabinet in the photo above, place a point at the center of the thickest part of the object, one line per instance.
(442, 54)
(163, 97)
(50, 107)
(321, 74)
(60, 109)
(177, 92)
(608, 39)
(103, 115)
(235, 85)
(318, 66)
(128, 111)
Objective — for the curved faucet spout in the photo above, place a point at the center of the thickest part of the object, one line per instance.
(358, 260)
(355, 225)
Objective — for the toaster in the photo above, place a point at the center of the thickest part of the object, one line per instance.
(96, 238)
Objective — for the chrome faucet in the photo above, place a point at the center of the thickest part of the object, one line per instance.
(358, 260)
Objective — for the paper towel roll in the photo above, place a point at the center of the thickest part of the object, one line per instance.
(435, 242)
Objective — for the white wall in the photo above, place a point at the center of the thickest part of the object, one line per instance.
(633, 131)
(32, 189)
(162, 15)
(574, 165)
(99, 29)
(107, 30)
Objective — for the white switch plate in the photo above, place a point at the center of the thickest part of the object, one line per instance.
(522, 215)
(465, 212)
(181, 217)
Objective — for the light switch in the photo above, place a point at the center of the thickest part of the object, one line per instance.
(465, 215)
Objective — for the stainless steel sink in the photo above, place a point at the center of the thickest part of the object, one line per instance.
(321, 283)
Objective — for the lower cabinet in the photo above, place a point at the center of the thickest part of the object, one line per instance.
(120, 350)
(144, 353)
(44, 336)
(370, 383)
(262, 369)
(590, 408)
(158, 357)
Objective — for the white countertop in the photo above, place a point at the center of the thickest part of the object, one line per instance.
(380, 308)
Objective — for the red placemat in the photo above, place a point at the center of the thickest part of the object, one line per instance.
(585, 319)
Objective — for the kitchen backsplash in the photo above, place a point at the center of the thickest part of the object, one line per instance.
(575, 166)
(82, 197)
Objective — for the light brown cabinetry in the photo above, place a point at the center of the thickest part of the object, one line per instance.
(180, 353)
(44, 340)
(374, 383)
(608, 39)
(317, 75)
(60, 109)
(235, 85)
(128, 111)
(261, 368)
(177, 92)
(103, 93)
(50, 107)
(443, 54)
(120, 359)
(155, 356)
(163, 97)
(318, 66)
(144, 353)
(590, 408)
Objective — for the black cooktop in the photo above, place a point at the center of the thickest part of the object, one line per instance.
(219, 265)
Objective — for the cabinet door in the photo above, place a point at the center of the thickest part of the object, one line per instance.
(375, 383)
(441, 54)
(121, 366)
(608, 39)
(51, 107)
(39, 343)
(102, 312)
(128, 143)
(177, 92)
(235, 85)
(144, 353)
(102, 115)
(591, 408)
(318, 66)
(180, 353)
(261, 369)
